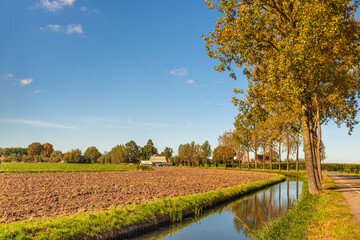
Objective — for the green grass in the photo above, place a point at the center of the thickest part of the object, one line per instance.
(85, 225)
(12, 167)
(323, 216)
(332, 216)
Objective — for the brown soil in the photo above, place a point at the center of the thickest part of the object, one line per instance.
(28, 196)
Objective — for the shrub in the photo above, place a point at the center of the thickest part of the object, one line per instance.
(144, 168)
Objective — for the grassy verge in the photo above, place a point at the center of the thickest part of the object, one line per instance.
(12, 167)
(332, 217)
(352, 174)
(291, 173)
(325, 216)
(121, 219)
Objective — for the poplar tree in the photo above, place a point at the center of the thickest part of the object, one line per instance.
(301, 54)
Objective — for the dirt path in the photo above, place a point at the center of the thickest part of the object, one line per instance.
(349, 186)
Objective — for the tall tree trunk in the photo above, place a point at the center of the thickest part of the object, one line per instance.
(264, 157)
(319, 145)
(256, 158)
(309, 149)
(297, 157)
(271, 157)
(287, 155)
(314, 152)
(279, 155)
(248, 160)
(240, 162)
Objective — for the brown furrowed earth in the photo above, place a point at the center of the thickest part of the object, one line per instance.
(30, 196)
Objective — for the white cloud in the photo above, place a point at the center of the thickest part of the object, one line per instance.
(179, 72)
(26, 81)
(69, 29)
(10, 75)
(53, 28)
(190, 81)
(88, 11)
(36, 123)
(37, 91)
(218, 82)
(73, 28)
(54, 5)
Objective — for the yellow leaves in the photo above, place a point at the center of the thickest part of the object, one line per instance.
(210, 4)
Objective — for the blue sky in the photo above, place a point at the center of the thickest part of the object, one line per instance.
(79, 73)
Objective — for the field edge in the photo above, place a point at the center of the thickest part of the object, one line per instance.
(129, 220)
(323, 216)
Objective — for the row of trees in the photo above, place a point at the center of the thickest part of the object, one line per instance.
(192, 154)
(302, 62)
(7, 152)
(127, 153)
(132, 153)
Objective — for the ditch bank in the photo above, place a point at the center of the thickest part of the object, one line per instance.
(130, 220)
(195, 205)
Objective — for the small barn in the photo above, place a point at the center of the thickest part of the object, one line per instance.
(261, 157)
(158, 161)
(242, 156)
(149, 163)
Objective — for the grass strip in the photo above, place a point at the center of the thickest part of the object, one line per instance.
(332, 216)
(12, 167)
(323, 216)
(123, 218)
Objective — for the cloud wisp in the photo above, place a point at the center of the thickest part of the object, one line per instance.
(36, 123)
(26, 81)
(69, 29)
(37, 91)
(179, 72)
(190, 81)
(54, 5)
(89, 11)
(74, 28)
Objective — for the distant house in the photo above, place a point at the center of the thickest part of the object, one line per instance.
(156, 161)
(146, 163)
(260, 158)
(6, 159)
(159, 161)
(242, 156)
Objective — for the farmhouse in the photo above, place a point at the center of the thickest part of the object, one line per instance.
(260, 157)
(242, 156)
(156, 161)
(146, 163)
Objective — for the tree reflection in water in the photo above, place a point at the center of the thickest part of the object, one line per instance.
(234, 220)
(252, 213)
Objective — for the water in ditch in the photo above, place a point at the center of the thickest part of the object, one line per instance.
(234, 220)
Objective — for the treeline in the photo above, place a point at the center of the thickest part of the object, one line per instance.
(13, 153)
(132, 153)
(192, 154)
(123, 153)
(35, 152)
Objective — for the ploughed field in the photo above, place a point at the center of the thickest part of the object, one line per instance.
(29, 196)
